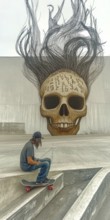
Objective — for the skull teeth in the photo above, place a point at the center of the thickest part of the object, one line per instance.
(64, 125)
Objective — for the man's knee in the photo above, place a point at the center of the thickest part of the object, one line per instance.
(45, 164)
(49, 160)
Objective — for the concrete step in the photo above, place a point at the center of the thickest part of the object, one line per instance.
(27, 205)
(93, 203)
(62, 202)
(74, 184)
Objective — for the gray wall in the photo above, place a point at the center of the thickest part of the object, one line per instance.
(20, 102)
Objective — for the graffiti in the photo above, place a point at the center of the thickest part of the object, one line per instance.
(64, 83)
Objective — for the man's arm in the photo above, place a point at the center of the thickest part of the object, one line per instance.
(32, 162)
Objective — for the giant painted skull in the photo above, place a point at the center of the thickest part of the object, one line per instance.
(63, 102)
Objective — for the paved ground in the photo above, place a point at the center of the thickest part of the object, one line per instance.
(66, 152)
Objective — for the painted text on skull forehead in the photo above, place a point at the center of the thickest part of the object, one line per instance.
(65, 83)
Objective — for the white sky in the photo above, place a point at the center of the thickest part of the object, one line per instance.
(13, 17)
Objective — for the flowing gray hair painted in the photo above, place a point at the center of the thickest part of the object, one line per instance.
(75, 44)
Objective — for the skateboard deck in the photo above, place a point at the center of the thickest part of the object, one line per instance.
(31, 185)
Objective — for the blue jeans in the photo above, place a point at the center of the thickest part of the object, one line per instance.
(44, 168)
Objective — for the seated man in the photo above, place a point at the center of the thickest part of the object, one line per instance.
(28, 162)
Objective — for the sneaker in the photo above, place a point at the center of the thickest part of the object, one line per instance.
(41, 182)
(46, 180)
(49, 180)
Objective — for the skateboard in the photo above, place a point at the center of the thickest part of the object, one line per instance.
(31, 185)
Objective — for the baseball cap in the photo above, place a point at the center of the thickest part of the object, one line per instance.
(37, 134)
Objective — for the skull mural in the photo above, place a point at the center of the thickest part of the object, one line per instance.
(64, 64)
(63, 102)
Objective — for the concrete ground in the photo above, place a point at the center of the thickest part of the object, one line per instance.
(66, 152)
(76, 154)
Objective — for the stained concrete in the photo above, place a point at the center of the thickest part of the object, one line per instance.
(66, 152)
(78, 153)
(92, 199)
(12, 128)
(27, 206)
(104, 212)
(75, 182)
(20, 101)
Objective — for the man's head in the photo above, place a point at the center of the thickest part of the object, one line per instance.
(36, 138)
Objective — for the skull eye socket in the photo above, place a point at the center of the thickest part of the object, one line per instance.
(76, 102)
(51, 101)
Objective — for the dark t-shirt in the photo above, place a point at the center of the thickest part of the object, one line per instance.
(27, 151)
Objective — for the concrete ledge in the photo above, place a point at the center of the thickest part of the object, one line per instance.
(92, 198)
(28, 205)
(12, 127)
(10, 187)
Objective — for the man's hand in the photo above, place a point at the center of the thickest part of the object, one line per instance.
(38, 162)
(33, 162)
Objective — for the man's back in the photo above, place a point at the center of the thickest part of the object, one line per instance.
(28, 150)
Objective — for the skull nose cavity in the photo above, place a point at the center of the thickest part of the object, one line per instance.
(64, 110)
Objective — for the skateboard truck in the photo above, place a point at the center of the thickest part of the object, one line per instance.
(29, 188)
(50, 187)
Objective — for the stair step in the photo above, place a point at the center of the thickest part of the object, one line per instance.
(30, 204)
(62, 202)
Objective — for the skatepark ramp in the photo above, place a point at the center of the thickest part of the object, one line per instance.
(94, 202)
(41, 204)
(17, 204)
(82, 186)
(75, 181)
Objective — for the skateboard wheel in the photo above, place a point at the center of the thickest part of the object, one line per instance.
(50, 187)
(28, 188)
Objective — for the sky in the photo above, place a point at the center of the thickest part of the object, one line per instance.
(13, 17)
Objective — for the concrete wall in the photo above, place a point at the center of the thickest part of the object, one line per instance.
(20, 102)
(19, 99)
